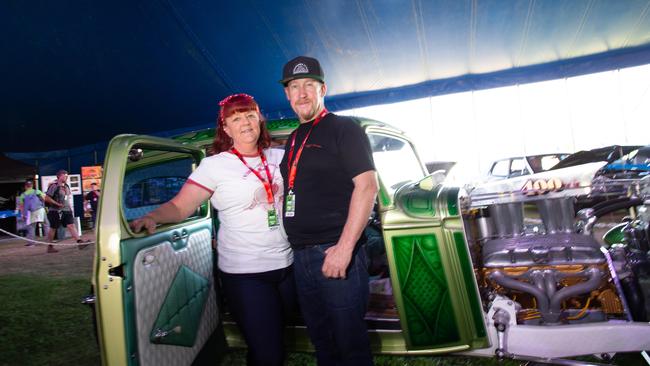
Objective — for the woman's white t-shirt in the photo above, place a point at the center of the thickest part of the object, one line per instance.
(245, 242)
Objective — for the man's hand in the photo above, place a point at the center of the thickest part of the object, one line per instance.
(144, 222)
(337, 260)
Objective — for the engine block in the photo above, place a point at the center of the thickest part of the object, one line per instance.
(535, 250)
(556, 274)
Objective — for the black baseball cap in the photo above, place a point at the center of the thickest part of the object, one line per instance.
(302, 67)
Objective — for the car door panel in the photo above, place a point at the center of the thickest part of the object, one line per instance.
(156, 301)
(154, 263)
(431, 273)
(425, 306)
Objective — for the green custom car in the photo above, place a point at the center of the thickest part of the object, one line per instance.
(507, 269)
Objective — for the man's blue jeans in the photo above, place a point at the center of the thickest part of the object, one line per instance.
(334, 309)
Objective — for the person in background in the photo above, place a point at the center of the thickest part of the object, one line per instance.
(32, 207)
(330, 189)
(61, 213)
(92, 198)
(243, 182)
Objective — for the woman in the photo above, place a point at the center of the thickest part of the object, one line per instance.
(243, 182)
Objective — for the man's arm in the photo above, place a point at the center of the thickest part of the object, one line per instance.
(363, 198)
(48, 199)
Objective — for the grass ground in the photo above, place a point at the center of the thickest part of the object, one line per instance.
(42, 320)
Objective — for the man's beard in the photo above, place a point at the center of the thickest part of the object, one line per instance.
(310, 115)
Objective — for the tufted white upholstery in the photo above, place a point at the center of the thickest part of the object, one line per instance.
(153, 273)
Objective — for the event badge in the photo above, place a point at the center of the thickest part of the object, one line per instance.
(272, 217)
(290, 204)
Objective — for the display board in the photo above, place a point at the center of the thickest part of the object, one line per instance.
(74, 181)
(90, 175)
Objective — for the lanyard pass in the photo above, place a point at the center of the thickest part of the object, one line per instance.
(272, 217)
(292, 162)
(271, 214)
(292, 165)
(290, 204)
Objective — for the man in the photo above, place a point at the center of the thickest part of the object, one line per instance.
(32, 208)
(92, 198)
(330, 188)
(61, 214)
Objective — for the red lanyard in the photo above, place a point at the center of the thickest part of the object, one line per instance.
(293, 165)
(266, 182)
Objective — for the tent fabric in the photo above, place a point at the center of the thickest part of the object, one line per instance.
(14, 171)
(81, 73)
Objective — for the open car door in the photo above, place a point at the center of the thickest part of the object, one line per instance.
(155, 298)
(431, 271)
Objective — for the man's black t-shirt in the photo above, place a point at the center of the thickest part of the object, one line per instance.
(337, 151)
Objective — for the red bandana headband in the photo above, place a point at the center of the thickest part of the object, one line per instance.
(227, 99)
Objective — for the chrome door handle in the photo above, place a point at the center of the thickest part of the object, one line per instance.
(182, 236)
(159, 333)
(88, 300)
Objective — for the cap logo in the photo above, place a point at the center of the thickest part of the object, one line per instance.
(300, 69)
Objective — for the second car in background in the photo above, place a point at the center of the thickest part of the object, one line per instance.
(524, 165)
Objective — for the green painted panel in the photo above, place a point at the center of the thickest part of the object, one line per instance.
(282, 124)
(468, 278)
(197, 136)
(452, 201)
(179, 316)
(615, 235)
(384, 198)
(420, 203)
(425, 294)
(417, 202)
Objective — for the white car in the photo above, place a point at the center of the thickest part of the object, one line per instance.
(524, 165)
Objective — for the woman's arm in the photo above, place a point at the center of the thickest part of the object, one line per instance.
(177, 209)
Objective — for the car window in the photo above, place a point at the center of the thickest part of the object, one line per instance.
(149, 184)
(500, 168)
(550, 161)
(642, 156)
(395, 161)
(518, 167)
(152, 191)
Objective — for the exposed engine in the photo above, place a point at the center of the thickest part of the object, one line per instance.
(533, 248)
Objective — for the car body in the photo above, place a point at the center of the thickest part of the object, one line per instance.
(457, 270)
(617, 176)
(614, 169)
(607, 154)
(634, 165)
(523, 165)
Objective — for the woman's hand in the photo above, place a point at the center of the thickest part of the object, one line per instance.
(176, 210)
(144, 222)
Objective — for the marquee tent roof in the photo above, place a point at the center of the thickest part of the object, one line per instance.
(78, 73)
(15, 171)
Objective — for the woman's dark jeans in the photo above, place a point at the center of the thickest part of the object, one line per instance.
(260, 303)
(334, 309)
